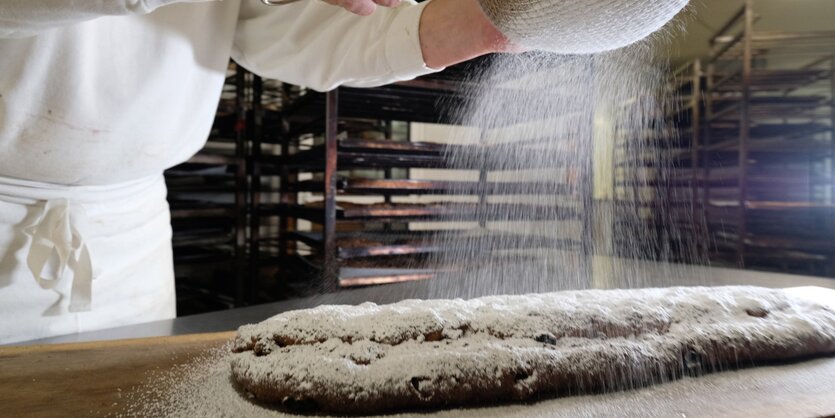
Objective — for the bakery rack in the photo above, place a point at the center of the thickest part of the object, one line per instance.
(207, 196)
(761, 159)
(655, 203)
(348, 197)
(677, 209)
(684, 185)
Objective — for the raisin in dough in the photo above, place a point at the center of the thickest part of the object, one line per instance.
(440, 353)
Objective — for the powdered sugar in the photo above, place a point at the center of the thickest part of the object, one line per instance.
(420, 351)
(204, 388)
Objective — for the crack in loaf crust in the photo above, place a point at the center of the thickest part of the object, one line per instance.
(415, 354)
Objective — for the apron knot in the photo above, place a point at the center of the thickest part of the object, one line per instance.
(59, 250)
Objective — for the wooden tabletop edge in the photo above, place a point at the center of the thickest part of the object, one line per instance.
(217, 337)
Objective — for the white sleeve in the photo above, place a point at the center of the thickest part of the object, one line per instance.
(314, 44)
(22, 18)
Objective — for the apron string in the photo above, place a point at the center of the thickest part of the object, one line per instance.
(56, 241)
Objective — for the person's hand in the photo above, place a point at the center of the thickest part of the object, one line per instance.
(362, 7)
(452, 31)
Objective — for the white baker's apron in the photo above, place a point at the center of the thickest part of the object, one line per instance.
(82, 258)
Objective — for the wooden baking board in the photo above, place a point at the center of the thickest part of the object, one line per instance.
(93, 379)
(88, 379)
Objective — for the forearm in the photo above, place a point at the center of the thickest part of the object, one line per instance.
(320, 46)
(316, 45)
(453, 31)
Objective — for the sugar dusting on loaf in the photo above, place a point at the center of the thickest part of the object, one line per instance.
(349, 359)
(205, 387)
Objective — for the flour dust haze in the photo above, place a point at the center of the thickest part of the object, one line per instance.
(572, 172)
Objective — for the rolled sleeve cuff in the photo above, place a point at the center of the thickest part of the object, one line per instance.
(403, 52)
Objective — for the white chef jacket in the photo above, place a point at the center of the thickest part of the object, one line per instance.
(98, 97)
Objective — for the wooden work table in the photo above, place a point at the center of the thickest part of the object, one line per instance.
(92, 378)
(88, 379)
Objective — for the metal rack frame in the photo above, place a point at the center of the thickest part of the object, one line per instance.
(757, 117)
(207, 231)
(337, 154)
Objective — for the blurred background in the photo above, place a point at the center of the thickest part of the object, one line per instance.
(298, 191)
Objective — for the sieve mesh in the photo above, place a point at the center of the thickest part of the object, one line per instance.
(579, 26)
